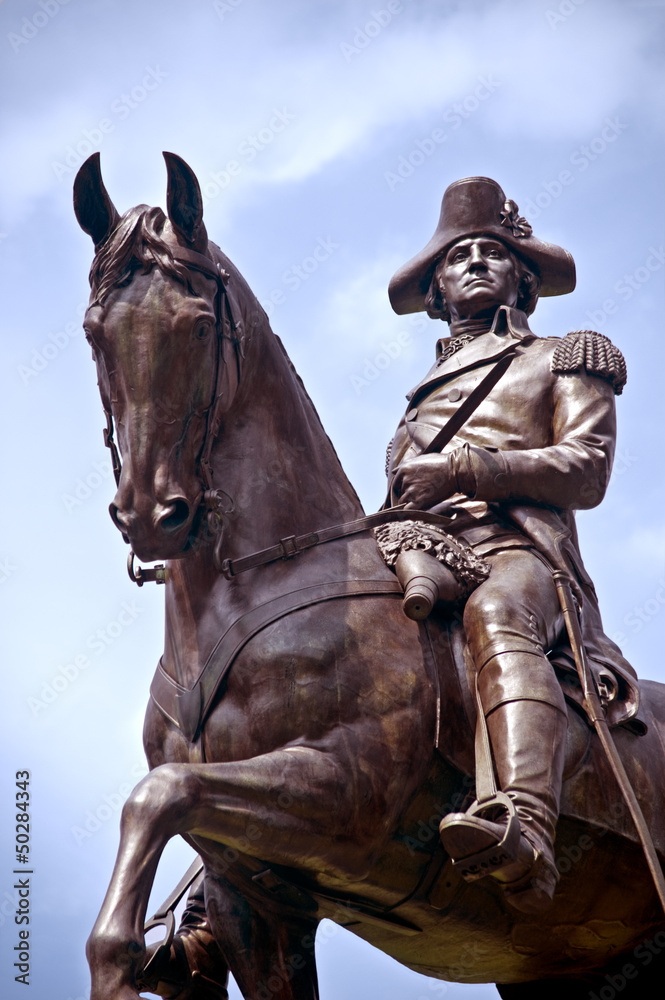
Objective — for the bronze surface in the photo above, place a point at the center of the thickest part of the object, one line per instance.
(334, 745)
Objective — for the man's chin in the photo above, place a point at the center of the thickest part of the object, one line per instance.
(479, 305)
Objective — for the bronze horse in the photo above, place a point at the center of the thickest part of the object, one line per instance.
(306, 743)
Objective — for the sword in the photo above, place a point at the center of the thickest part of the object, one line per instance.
(596, 714)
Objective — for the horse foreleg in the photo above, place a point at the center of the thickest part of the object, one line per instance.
(116, 947)
(292, 807)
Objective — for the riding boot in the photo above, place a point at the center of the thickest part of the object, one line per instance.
(193, 968)
(528, 744)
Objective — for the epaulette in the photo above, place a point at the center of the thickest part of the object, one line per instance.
(592, 352)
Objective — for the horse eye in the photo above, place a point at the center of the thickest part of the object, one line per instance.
(202, 331)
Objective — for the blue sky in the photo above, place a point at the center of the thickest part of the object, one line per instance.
(330, 125)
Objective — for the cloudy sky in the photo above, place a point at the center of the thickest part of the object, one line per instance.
(323, 124)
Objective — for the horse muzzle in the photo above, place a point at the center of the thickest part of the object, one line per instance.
(156, 529)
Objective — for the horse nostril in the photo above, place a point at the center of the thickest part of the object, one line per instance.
(119, 520)
(177, 514)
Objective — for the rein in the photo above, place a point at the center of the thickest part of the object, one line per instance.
(292, 545)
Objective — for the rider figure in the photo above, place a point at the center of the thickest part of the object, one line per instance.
(537, 447)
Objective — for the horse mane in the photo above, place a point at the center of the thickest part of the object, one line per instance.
(135, 244)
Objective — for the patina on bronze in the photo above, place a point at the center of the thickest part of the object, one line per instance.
(303, 734)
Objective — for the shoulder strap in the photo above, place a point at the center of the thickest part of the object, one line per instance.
(471, 403)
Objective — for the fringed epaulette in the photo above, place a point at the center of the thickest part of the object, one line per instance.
(389, 451)
(592, 352)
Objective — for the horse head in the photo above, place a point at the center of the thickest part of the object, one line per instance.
(167, 346)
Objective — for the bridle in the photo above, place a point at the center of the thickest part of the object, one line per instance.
(230, 350)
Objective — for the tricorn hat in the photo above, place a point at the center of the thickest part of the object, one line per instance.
(476, 206)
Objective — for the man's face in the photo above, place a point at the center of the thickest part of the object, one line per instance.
(477, 275)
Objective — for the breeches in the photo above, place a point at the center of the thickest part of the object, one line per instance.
(515, 611)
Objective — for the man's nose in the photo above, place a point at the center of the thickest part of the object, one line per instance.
(476, 259)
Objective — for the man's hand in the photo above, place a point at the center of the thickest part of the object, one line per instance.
(425, 481)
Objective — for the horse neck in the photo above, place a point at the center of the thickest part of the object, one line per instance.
(272, 456)
(280, 476)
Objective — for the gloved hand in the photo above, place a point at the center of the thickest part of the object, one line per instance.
(426, 480)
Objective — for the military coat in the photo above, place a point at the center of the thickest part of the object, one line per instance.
(537, 448)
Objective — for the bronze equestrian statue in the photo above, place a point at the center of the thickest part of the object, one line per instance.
(305, 735)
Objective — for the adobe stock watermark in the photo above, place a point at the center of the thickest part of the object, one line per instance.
(297, 274)
(463, 964)
(644, 953)
(429, 829)
(642, 614)
(391, 350)
(581, 158)
(8, 906)
(435, 986)
(31, 26)
(379, 362)
(7, 569)
(564, 10)
(96, 645)
(247, 151)
(224, 7)
(110, 806)
(84, 487)
(455, 116)
(627, 285)
(366, 33)
(120, 109)
(41, 357)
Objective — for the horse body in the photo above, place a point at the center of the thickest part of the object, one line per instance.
(314, 787)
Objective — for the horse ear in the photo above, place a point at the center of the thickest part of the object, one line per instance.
(184, 202)
(96, 213)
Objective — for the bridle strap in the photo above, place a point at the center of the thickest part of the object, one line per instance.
(229, 338)
(111, 445)
(199, 262)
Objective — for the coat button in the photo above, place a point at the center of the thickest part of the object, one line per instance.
(412, 414)
(454, 395)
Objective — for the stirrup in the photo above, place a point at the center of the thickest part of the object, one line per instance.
(502, 853)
